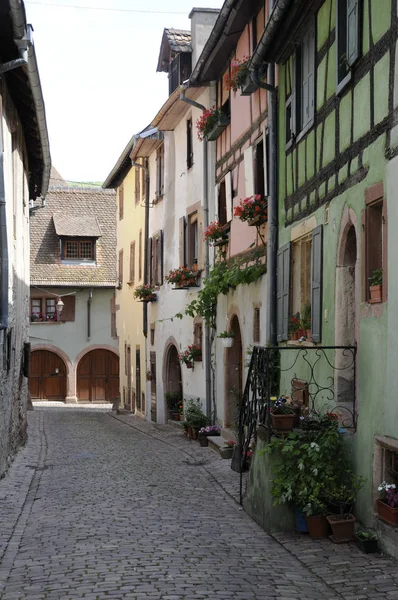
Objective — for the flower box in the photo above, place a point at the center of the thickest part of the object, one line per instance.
(152, 298)
(388, 514)
(257, 221)
(342, 527)
(283, 422)
(317, 526)
(219, 127)
(375, 294)
(248, 86)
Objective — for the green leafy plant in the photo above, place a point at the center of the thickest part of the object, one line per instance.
(306, 316)
(239, 71)
(282, 407)
(194, 415)
(144, 292)
(365, 535)
(226, 334)
(174, 401)
(376, 278)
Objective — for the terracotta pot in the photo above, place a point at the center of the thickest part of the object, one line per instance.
(294, 335)
(308, 334)
(342, 527)
(189, 365)
(175, 416)
(182, 418)
(300, 333)
(388, 514)
(375, 293)
(283, 422)
(318, 526)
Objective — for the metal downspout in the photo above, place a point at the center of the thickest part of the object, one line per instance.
(3, 245)
(207, 254)
(272, 243)
(146, 248)
(90, 295)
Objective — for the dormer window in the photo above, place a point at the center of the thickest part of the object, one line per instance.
(78, 236)
(175, 57)
(81, 250)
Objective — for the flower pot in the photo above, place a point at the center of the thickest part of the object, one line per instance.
(219, 127)
(227, 452)
(300, 333)
(318, 526)
(388, 514)
(198, 358)
(221, 242)
(308, 334)
(375, 293)
(189, 365)
(342, 527)
(248, 87)
(203, 441)
(175, 416)
(181, 417)
(367, 546)
(257, 221)
(301, 523)
(227, 342)
(283, 422)
(294, 336)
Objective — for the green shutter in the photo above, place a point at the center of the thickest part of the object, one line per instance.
(316, 283)
(283, 292)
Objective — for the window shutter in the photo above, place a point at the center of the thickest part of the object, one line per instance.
(307, 67)
(150, 276)
(352, 31)
(228, 194)
(161, 256)
(216, 202)
(201, 264)
(182, 242)
(68, 311)
(249, 171)
(283, 292)
(265, 150)
(316, 283)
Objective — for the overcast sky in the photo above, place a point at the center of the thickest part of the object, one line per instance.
(98, 75)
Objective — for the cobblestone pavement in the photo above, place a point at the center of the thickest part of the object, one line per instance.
(98, 506)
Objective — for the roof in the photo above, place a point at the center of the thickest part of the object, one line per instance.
(67, 225)
(173, 41)
(121, 168)
(72, 206)
(174, 109)
(23, 84)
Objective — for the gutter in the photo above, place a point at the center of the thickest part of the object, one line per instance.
(23, 39)
(277, 16)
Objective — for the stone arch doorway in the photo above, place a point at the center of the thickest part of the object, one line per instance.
(98, 376)
(47, 377)
(233, 375)
(173, 379)
(347, 306)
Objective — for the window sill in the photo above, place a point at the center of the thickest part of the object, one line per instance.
(300, 344)
(343, 83)
(45, 322)
(79, 263)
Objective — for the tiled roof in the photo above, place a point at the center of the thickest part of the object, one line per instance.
(76, 225)
(179, 40)
(82, 203)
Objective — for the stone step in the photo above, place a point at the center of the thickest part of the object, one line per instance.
(217, 443)
(229, 434)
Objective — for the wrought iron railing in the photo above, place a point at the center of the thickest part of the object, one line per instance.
(317, 379)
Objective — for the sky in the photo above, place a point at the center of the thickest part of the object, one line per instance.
(98, 74)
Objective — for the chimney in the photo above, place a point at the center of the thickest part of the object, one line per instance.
(202, 23)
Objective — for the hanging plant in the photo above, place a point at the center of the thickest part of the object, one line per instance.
(215, 232)
(182, 277)
(208, 121)
(145, 293)
(253, 210)
(191, 354)
(239, 72)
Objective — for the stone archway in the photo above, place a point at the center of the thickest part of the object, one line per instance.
(172, 375)
(347, 307)
(233, 374)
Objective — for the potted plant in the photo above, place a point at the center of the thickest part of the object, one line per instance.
(195, 418)
(253, 210)
(306, 320)
(387, 504)
(294, 327)
(227, 338)
(145, 293)
(376, 286)
(341, 494)
(216, 234)
(239, 77)
(228, 449)
(210, 430)
(211, 124)
(366, 540)
(182, 277)
(174, 404)
(191, 354)
(315, 513)
(282, 415)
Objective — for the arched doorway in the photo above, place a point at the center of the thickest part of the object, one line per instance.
(233, 375)
(347, 303)
(173, 381)
(47, 377)
(98, 377)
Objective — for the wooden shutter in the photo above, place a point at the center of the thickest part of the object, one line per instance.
(132, 262)
(228, 195)
(149, 258)
(113, 317)
(283, 292)
(68, 311)
(121, 202)
(249, 171)
(201, 261)
(307, 69)
(265, 150)
(316, 283)
(182, 257)
(352, 31)
(216, 201)
(161, 257)
(121, 267)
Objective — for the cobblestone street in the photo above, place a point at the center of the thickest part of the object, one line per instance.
(98, 506)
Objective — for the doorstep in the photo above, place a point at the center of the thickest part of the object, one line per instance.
(229, 434)
(216, 442)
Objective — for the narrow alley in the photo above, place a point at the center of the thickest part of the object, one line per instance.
(96, 508)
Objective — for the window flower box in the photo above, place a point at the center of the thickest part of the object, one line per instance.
(211, 124)
(253, 210)
(221, 124)
(247, 87)
(387, 513)
(145, 293)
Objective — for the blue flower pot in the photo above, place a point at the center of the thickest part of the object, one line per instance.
(301, 521)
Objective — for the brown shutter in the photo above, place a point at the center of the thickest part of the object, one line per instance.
(68, 311)
(201, 244)
(113, 317)
(182, 242)
(161, 257)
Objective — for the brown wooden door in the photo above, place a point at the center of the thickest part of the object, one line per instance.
(47, 378)
(152, 358)
(98, 377)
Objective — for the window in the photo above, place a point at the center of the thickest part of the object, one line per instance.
(156, 277)
(51, 309)
(193, 241)
(299, 283)
(35, 307)
(120, 268)
(299, 106)
(159, 171)
(222, 203)
(121, 202)
(198, 334)
(347, 32)
(152, 335)
(374, 227)
(45, 309)
(189, 144)
(260, 173)
(256, 324)
(78, 249)
(137, 184)
(132, 262)
(113, 317)
(140, 255)
(143, 185)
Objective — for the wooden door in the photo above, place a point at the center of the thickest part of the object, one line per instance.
(98, 377)
(152, 358)
(138, 378)
(128, 360)
(47, 378)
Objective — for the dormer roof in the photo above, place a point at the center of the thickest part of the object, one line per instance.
(174, 41)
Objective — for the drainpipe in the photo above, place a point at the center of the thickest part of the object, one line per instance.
(272, 243)
(3, 247)
(146, 240)
(207, 258)
(90, 295)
